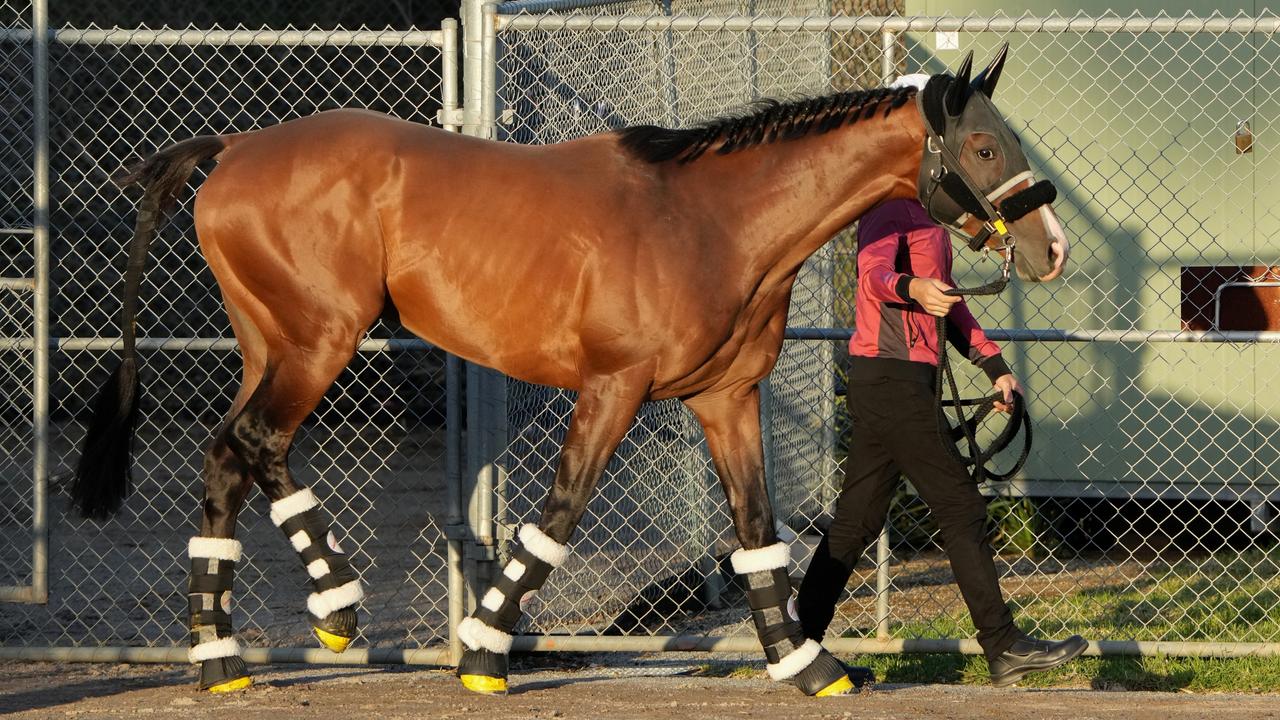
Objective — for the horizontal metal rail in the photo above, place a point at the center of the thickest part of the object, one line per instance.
(309, 656)
(795, 333)
(17, 284)
(242, 38)
(873, 24)
(542, 6)
(20, 594)
(188, 344)
(1247, 489)
(747, 644)
(1077, 336)
(601, 643)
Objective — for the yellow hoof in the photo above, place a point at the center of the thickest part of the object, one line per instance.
(239, 683)
(843, 686)
(484, 684)
(336, 643)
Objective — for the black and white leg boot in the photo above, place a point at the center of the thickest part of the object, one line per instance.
(337, 589)
(790, 655)
(213, 642)
(487, 633)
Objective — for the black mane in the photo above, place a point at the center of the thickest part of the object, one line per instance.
(761, 122)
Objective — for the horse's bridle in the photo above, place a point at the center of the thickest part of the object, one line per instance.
(944, 172)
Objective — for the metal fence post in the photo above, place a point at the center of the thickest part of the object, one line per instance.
(471, 13)
(489, 70)
(40, 352)
(486, 391)
(479, 67)
(455, 529)
(888, 70)
(888, 61)
(449, 116)
(882, 582)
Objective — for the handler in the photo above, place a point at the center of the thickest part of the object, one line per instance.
(904, 266)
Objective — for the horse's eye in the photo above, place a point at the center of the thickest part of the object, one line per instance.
(987, 154)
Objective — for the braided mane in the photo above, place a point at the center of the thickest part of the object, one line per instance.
(765, 121)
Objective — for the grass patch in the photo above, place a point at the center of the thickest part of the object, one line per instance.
(1158, 673)
(1223, 598)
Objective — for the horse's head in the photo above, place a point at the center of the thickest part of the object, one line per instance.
(976, 179)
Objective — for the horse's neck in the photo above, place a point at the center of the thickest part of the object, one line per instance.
(778, 203)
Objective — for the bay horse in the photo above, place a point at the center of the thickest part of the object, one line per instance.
(632, 265)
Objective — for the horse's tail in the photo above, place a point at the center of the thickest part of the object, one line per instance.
(102, 479)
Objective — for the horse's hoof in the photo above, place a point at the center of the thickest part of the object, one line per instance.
(483, 671)
(224, 674)
(336, 630)
(484, 684)
(824, 677)
(239, 683)
(842, 686)
(336, 643)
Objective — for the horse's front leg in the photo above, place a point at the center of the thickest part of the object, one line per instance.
(731, 421)
(606, 406)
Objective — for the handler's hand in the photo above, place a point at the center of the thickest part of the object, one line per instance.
(929, 293)
(1008, 385)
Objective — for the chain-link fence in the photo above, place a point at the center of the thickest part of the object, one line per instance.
(375, 449)
(1145, 512)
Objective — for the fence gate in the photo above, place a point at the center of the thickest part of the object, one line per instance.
(382, 449)
(24, 296)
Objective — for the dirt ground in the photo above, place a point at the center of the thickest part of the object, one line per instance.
(654, 690)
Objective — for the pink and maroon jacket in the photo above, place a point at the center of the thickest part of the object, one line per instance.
(897, 241)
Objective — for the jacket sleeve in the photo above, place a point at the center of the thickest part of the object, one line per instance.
(877, 269)
(966, 335)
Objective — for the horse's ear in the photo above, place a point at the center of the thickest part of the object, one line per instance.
(958, 93)
(986, 81)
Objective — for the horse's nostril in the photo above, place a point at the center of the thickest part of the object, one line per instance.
(1057, 254)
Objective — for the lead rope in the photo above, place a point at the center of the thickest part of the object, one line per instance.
(978, 458)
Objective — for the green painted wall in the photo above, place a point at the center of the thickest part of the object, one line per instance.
(1136, 131)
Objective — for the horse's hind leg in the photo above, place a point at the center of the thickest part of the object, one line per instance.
(732, 424)
(261, 435)
(282, 385)
(215, 552)
(605, 409)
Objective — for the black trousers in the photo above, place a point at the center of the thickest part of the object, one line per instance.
(894, 433)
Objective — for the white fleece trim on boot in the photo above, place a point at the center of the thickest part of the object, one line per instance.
(323, 603)
(223, 647)
(476, 635)
(214, 548)
(795, 661)
(769, 557)
(295, 504)
(541, 546)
